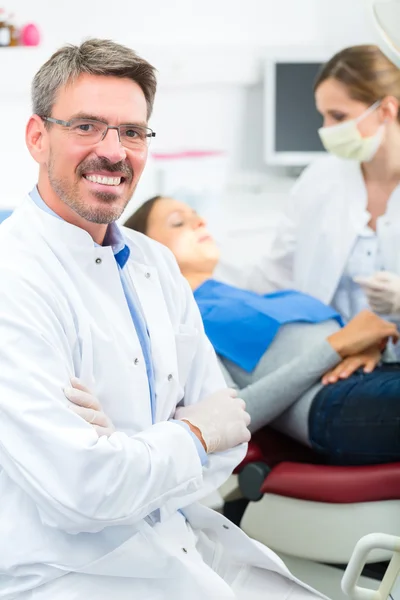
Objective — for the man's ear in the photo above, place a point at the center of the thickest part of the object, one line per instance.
(36, 137)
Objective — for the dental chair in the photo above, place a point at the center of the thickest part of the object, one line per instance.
(313, 514)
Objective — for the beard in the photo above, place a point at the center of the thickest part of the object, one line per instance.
(110, 206)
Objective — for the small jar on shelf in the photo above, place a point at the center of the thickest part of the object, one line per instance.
(5, 34)
(14, 32)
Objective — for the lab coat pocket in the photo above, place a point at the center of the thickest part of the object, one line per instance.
(186, 342)
(253, 582)
(140, 556)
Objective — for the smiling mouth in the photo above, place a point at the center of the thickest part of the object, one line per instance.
(112, 181)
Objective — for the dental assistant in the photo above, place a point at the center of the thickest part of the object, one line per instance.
(342, 225)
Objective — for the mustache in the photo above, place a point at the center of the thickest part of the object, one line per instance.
(103, 164)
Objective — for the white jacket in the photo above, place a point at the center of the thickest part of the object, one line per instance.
(74, 503)
(326, 213)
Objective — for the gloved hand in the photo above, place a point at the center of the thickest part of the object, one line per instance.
(383, 292)
(221, 419)
(87, 406)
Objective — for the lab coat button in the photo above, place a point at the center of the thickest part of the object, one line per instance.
(184, 550)
(136, 361)
(98, 261)
(225, 526)
(170, 377)
(147, 275)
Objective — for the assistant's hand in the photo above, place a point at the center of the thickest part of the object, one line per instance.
(367, 361)
(383, 292)
(87, 406)
(366, 330)
(221, 419)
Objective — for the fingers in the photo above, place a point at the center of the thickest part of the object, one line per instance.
(232, 393)
(247, 418)
(350, 365)
(78, 385)
(98, 420)
(107, 431)
(346, 368)
(383, 343)
(93, 417)
(370, 365)
(81, 398)
(391, 331)
(331, 376)
(246, 436)
(378, 281)
(374, 288)
(241, 403)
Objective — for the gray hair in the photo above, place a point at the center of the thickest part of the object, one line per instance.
(94, 57)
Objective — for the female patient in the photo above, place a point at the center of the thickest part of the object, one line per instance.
(294, 364)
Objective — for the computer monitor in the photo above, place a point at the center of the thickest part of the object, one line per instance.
(291, 119)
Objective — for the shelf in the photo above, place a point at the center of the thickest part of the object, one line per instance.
(177, 66)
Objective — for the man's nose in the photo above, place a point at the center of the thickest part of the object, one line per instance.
(110, 147)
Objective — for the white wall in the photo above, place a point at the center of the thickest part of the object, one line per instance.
(209, 54)
(177, 21)
(254, 22)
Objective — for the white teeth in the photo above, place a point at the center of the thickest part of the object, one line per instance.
(103, 180)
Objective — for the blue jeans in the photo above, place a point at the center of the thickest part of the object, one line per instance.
(356, 421)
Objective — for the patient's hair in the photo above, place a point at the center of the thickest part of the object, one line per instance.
(93, 57)
(365, 71)
(139, 221)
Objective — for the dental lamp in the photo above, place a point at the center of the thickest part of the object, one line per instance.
(386, 22)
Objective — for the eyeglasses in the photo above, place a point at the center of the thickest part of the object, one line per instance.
(90, 131)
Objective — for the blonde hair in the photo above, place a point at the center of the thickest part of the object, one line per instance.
(365, 71)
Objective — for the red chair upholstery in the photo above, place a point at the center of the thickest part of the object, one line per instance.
(334, 485)
(272, 447)
(314, 481)
(297, 503)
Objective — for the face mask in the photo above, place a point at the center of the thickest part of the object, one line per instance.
(346, 141)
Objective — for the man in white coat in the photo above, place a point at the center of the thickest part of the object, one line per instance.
(110, 516)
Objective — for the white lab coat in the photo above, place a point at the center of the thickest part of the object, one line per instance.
(325, 215)
(79, 512)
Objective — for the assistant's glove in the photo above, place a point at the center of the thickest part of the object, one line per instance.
(383, 292)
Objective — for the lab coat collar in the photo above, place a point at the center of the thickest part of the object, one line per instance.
(113, 237)
(56, 228)
(78, 241)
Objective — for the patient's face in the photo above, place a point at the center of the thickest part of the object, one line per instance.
(184, 232)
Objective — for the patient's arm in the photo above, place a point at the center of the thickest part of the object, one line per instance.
(274, 393)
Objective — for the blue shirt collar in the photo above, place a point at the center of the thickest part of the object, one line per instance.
(113, 238)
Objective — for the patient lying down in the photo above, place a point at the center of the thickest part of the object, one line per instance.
(296, 367)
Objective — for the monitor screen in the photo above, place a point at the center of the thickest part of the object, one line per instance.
(296, 119)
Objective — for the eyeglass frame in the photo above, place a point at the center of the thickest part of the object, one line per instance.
(151, 134)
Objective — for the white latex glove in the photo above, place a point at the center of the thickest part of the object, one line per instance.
(383, 292)
(88, 407)
(221, 419)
